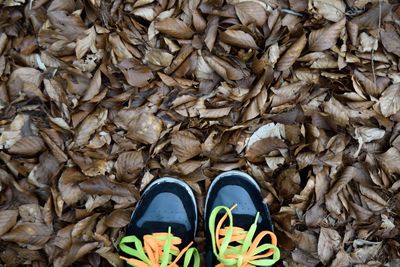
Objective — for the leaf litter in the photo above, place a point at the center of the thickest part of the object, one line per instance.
(98, 98)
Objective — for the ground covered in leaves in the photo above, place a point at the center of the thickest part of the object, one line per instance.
(97, 98)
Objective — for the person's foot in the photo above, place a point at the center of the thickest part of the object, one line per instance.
(238, 226)
(162, 227)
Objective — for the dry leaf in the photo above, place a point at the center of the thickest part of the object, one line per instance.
(291, 54)
(325, 38)
(389, 160)
(102, 186)
(251, 12)
(69, 185)
(92, 123)
(145, 128)
(84, 44)
(94, 87)
(328, 244)
(333, 10)
(238, 38)
(35, 234)
(389, 102)
(259, 149)
(391, 42)
(27, 146)
(118, 218)
(8, 218)
(129, 165)
(159, 58)
(185, 145)
(174, 27)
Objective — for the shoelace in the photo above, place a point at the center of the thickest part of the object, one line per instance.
(248, 252)
(158, 251)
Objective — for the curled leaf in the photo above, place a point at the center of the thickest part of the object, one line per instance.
(325, 38)
(291, 54)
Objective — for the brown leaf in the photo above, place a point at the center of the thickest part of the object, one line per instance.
(84, 44)
(251, 12)
(8, 218)
(68, 185)
(145, 128)
(102, 186)
(224, 69)
(27, 146)
(211, 32)
(89, 126)
(158, 57)
(389, 102)
(118, 218)
(333, 10)
(257, 151)
(75, 252)
(238, 38)
(370, 20)
(214, 113)
(291, 54)
(129, 165)
(20, 76)
(368, 85)
(390, 160)
(185, 145)
(35, 234)
(391, 41)
(174, 27)
(326, 37)
(328, 244)
(94, 87)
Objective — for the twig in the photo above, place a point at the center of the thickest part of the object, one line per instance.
(291, 12)
(379, 34)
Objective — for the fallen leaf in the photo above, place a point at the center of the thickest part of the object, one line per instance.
(35, 234)
(94, 87)
(291, 54)
(89, 126)
(145, 128)
(389, 102)
(238, 38)
(330, 10)
(102, 186)
(251, 12)
(158, 57)
(389, 160)
(326, 37)
(69, 185)
(328, 244)
(185, 145)
(129, 165)
(84, 44)
(391, 41)
(8, 218)
(27, 146)
(174, 27)
(260, 148)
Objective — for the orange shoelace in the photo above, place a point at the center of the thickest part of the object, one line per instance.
(158, 251)
(248, 252)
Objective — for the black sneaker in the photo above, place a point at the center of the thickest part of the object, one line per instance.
(238, 226)
(162, 227)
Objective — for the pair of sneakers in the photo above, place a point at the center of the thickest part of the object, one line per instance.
(238, 227)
